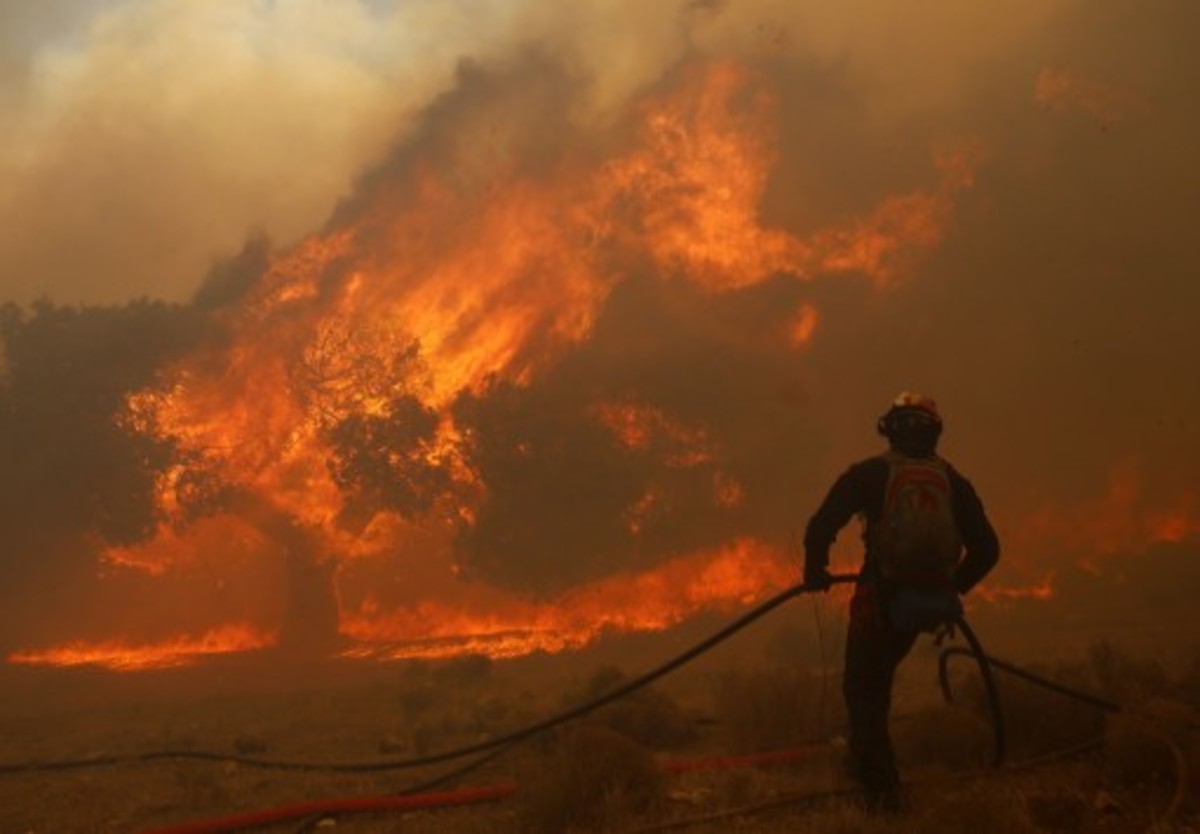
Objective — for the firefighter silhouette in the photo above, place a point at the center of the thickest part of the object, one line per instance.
(927, 540)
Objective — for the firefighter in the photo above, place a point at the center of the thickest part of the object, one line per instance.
(927, 541)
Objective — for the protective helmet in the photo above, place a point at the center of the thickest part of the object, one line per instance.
(912, 423)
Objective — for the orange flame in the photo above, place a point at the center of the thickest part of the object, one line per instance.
(639, 427)
(1121, 520)
(879, 243)
(441, 289)
(650, 601)
(1043, 589)
(491, 289)
(804, 325)
(181, 650)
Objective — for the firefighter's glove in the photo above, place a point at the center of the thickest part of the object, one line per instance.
(818, 578)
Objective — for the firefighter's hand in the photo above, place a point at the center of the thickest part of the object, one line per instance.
(818, 578)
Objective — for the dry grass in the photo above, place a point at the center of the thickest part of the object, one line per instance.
(1156, 751)
(949, 737)
(469, 670)
(595, 778)
(448, 703)
(1189, 681)
(1124, 678)
(1037, 721)
(587, 778)
(647, 716)
(954, 809)
(771, 708)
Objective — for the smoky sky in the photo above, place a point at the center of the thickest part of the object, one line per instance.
(1054, 321)
(144, 140)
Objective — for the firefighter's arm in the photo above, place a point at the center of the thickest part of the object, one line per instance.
(840, 505)
(981, 545)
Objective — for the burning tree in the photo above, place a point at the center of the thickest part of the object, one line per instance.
(514, 393)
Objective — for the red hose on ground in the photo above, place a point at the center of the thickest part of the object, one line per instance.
(446, 799)
(362, 804)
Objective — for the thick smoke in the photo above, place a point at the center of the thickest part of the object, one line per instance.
(145, 143)
(145, 139)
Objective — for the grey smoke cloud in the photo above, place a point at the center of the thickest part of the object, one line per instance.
(158, 135)
(146, 139)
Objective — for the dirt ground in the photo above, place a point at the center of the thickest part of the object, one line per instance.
(326, 711)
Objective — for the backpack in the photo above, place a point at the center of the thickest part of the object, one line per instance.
(916, 540)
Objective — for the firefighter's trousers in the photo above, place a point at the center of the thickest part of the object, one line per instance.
(873, 651)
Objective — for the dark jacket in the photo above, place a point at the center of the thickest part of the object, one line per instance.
(860, 491)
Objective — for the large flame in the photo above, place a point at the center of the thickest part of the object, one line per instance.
(442, 290)
(506, 627)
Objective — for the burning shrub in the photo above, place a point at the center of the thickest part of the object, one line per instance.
(587, 778)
